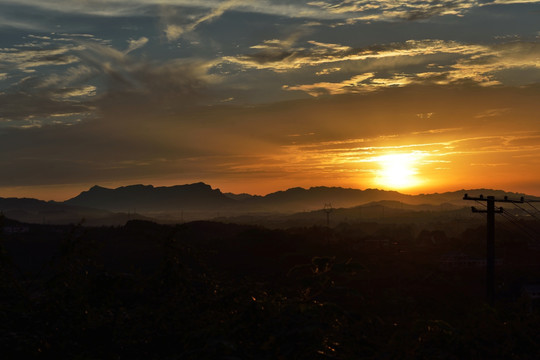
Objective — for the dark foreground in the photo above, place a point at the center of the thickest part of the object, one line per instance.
(207, 290)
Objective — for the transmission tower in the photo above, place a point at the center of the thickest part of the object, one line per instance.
(328, 209)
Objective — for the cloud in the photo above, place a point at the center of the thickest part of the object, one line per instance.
(136, 44)
(327, 71)
(334, 47)
(156, 86)
(419, 62)
(118, 8)
(29, 58)
(88, 90)
(23, 108)
(388, 10)
(507, 2)
(339, 10)
(429, 10)
(25, 24)
(282, 59)
(174, 32)
(73, 75)
(484, 67)
(86, 77)
(34, 97)
(135, 145)
(322, 88)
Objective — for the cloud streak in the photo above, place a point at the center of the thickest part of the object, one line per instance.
(134, 44)
(479, 64)
(174, 32)
(277, 58)
(340, 10)
(86, 77)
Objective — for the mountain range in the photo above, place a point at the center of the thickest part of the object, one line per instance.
(102, 205)
(150, 199)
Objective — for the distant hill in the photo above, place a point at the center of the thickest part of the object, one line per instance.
(455, 197)
(200, 197)
(104, 206)
(149, 199)
(51, 212)
(300, 199)
(386, 211)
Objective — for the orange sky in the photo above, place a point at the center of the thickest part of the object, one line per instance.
(258, 96)
(451, 138)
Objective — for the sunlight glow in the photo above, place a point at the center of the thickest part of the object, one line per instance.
(398, 171)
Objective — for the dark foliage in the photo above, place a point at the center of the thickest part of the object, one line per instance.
(207, 290)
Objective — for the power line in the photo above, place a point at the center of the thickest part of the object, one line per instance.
(531, 205)
(490, 212)
(519, 207)
(524, 229)
(523, 226)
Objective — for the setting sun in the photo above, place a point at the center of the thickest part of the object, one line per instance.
(398, 171)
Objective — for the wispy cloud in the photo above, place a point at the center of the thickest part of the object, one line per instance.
(340, 10)
(134, 44)
(392, 10)
(30, 58)
(354, 157)
(281, 59)
(141, 7)
(174, 32)
(126, 89)
(84, 91)
(18, 23)
(483, 68)
(510, 2)
(338, 137)
(351, 85)
(478, 64)
(90, 77)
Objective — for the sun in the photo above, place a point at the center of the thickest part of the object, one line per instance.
(398, 171)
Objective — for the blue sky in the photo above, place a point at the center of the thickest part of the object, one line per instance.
(261, 95)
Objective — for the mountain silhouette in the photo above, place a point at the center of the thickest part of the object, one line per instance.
(51, 212)
(100, 205)
(202, 198)
(147, 198)
(299, 199)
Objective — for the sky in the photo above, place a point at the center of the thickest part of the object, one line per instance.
(263, 95)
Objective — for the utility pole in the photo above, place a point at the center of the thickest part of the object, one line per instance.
(490, 238)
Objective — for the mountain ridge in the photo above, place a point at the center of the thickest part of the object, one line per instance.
(200, 196)
(30, 210)
(151, 199)
(199, 201)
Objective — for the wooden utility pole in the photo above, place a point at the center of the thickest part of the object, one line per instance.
(490, 238)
